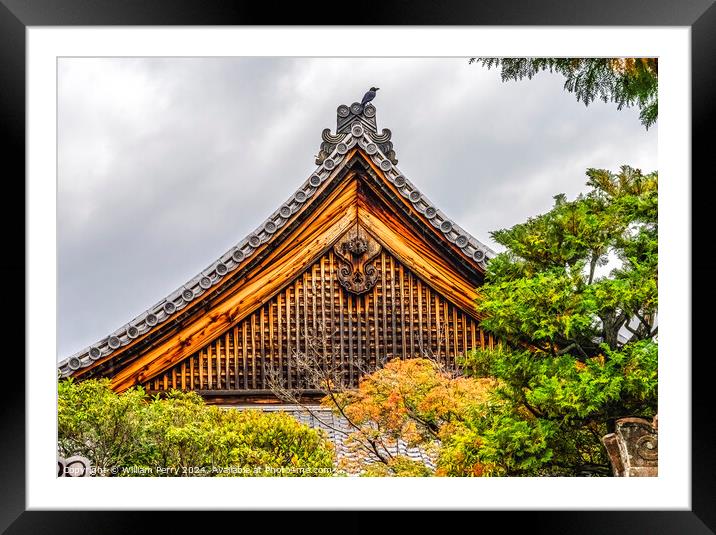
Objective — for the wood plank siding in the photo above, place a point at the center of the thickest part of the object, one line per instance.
(400, 317)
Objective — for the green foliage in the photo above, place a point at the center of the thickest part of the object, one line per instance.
(544, 290)
(131, 434)
(625, 81)
(398, 466)
(94, 422)
(579, 350)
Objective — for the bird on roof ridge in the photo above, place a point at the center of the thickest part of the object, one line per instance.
(370, 95)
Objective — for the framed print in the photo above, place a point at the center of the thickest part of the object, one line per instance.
(358, 266)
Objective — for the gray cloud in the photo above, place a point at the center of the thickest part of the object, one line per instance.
(164, 164)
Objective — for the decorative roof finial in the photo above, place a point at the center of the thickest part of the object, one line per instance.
(362, 113)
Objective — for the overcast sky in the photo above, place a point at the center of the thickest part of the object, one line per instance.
(165, 164)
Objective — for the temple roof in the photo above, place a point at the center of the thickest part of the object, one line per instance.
(356, 128)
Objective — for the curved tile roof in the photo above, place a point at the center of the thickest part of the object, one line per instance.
(356, 127)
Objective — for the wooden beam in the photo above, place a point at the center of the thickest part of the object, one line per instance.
(417, 256)
(254, 392)
(408, 208)
(279, 269)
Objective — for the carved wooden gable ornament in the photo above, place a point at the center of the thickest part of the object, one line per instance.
(356, 250)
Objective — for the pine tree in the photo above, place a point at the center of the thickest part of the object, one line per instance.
(579, 348)
(625, 81)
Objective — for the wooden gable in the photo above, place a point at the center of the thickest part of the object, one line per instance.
(357, 257)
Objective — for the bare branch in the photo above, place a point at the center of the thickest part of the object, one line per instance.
(313, 371)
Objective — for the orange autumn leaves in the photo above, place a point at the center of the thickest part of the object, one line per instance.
(413, 402)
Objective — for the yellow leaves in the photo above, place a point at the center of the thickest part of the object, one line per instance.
(406, 389)
(524, 413)
(415, 401)
(633, 65)
(598, 359)
(477, 470)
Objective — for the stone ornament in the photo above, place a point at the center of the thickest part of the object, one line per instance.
(355, 251)
(343, 111)
(328, 143)
(358, 120)
(633, 448)
(364, 115)
(75, 466)
(384, 144)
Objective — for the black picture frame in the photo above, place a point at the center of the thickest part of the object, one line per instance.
(17, 15)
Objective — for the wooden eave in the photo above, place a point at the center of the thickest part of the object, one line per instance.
(350, 186)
